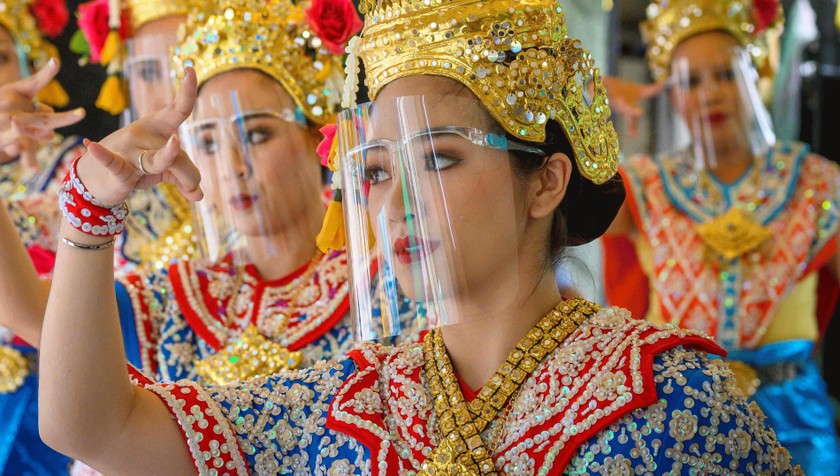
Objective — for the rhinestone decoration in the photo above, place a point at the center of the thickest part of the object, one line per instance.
(669, 22)
(271, 37)
(516, 57)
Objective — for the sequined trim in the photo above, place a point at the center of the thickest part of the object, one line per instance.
(293, 313)
(734, 300)
(208, 434)
(598, 388)
(140, 292)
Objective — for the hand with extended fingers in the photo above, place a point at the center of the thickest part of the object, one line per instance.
(626, 99)
(143, 154)
(26, 123)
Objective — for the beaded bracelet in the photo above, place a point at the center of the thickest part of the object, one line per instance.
(85, 212)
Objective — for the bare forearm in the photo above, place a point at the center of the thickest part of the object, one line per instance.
(85, 393)
(23, 294)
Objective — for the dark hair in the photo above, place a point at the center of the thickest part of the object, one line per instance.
(525, 164)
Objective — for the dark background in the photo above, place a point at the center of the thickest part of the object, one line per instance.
(82, 84)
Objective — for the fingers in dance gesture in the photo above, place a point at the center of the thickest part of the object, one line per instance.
(144, 154)
(626, 98)
(25, 123)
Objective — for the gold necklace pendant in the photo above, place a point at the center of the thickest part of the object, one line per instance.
(461, 424)
(14, 368)
(733, 234)
(443, 461)
(251, 355)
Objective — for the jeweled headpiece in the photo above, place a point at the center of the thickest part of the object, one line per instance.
(669, 22)
(516, 56)
(28, 21)
(145, 11)
(273, 37)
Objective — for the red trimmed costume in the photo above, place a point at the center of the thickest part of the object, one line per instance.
(617, 396)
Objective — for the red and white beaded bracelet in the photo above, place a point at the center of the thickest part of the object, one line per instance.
(85, 212)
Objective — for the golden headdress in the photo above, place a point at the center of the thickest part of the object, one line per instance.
(145, 11)
(670, 22)
(16, 17)
(516, 56)
(272, 37)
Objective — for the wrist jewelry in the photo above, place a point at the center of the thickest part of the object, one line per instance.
(81, 246)
(85, 212)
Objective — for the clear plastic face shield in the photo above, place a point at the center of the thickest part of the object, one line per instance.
(149, 75)
(713, 111)
(259, 176)
(434, 212)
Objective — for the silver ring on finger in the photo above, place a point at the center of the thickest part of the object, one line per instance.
(36, 105)
(140, 163)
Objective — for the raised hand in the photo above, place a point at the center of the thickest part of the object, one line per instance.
(26, 123)
(144, 154)
(626, 99)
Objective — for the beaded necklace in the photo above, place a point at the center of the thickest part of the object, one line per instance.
(462, 451)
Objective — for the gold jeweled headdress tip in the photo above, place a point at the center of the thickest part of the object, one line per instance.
(515, 56)
(669, 22)
(272, 37)
(145, 11)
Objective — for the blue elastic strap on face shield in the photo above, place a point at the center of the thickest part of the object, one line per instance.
(23, 61)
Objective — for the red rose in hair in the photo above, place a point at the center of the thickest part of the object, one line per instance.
(325, 146)
(765, 12)
(334, 21)
(93, 21)
(52, 16)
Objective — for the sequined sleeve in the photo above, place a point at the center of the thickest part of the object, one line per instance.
(143, 301)
(36, 217)
(179, 346)
(699, 426)
(269, 425)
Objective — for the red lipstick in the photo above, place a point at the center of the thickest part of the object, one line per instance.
(242, 201)
(411, 249)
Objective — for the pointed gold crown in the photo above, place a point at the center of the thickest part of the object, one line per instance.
(145, 11)
(669, 22)
(15, 17)
(273, 37)
(516, 56)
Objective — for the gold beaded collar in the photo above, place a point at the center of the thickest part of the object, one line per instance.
(272, 37)
(516, 56)
(669, 22)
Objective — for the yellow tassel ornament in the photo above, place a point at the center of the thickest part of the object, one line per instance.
(111, 49)
(332, 232)
(113, 97)
(54, 95)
